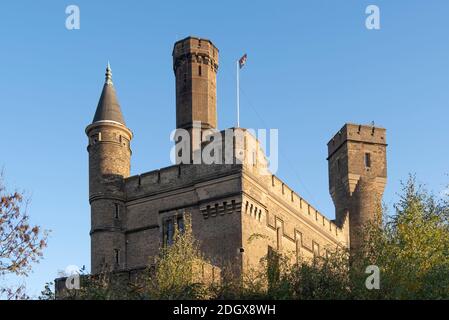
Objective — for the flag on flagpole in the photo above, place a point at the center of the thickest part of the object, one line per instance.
(242, 61)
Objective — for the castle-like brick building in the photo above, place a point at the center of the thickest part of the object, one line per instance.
(132, 216)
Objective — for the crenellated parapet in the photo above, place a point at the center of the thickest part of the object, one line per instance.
(195, 50)
(174, 177)
(357, 133)
(292, 204)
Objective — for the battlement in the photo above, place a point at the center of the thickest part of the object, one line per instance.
(357, 133)
(303, 208)
(174, 176)
(201, 50)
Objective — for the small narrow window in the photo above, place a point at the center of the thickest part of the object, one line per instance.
(199, 71)
(338, 165)
(279, 238)
(168, 231)
(117, 210)
(185, 77)
(117, 256)
(123, 140)
(96, 137)
(315, 249)
(367, 160)
(298, 244)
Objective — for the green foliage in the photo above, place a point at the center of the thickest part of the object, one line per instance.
(411, 248)
(177, 268)
(322, 278)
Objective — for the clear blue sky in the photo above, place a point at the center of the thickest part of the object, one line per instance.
(312, 66)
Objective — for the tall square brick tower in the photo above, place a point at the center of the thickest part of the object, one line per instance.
(357, 175)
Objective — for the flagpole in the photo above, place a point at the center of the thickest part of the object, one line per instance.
(238, 94)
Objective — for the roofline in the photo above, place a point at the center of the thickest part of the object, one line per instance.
(356, 125)
(108, 123)
(197, 38)
(363, 125)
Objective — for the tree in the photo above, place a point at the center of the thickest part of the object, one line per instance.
(21, 244)
(177, 268)
(411, 249)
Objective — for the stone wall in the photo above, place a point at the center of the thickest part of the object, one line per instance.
(211, 195)
(274, 215)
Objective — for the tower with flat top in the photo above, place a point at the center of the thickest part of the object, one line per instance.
(195, 64)
(357, 176)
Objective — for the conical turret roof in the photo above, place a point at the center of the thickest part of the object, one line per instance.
(108, 107)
